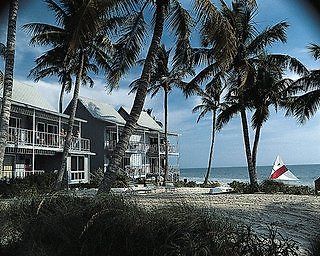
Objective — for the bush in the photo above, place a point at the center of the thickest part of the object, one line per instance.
(110, 225)
(30, 185)
(271, 187)
(241, 187)
(315, 247)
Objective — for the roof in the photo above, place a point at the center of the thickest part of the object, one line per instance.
(146, 121)
(102, 111)
(29, 95)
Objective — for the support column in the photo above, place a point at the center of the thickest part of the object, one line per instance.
(144, 160)
(117, 127)
(59, 131)
(33, 139)
(159, 155)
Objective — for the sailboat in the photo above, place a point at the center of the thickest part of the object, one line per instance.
(281, 172)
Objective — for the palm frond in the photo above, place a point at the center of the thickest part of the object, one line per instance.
(314, 50)
(288, 62)
(305, 106)
(268, 37)
(216, 31)
(227, 113)
(128, 47)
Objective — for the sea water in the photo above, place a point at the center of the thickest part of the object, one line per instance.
(307, 174)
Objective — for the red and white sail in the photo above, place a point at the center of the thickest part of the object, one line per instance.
(281, 172)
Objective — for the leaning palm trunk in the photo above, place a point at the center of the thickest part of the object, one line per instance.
(246, 138)
(61, 98)
(166, 163)
(206, 179)
(255, 146)
(68, 138)
(113, 168)
(8, 78)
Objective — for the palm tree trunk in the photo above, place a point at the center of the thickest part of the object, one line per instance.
(214, 115)
(255, 146)
(246, 138)
(166, 163)
(68, 138)
(113, 168)
(8, 78)
(61, 98)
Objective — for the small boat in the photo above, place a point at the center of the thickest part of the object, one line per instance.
(281, 172)
(221, 190)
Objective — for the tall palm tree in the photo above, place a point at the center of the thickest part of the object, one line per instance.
(164, 78)
(241, 74)
(305, 106)
(82, 36)
(211, 103)
(8, 77)
(179, 19)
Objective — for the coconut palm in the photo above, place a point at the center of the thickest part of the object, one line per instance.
(305, 106)
(81, 39)
(8, 77)
(179, 20)
(164, 78)
(241, 73)
(211, 103)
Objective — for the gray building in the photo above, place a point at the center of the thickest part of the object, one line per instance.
(36, 138)
(145, 154)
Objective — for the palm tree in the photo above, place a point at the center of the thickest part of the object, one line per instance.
(81, 37)
(164, 78)
(179, 19)
(241, 73)
(305, 106)
(211, 103)
(8, 77)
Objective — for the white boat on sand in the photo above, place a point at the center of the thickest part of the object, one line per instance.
(221, 190)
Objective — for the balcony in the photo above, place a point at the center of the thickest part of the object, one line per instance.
(154, 149)
(24, 137)
(18, 174)
(133, 147)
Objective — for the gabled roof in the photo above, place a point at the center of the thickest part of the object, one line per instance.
(102, 111)
(145, 120)
(29, 95)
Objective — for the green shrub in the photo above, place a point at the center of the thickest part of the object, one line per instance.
(315, 247)
(110, 225)
(271, 187)
(30, 185)
(241, 187)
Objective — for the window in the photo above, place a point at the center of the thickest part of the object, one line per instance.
(77, 168)
(15, 122)
(41, 127)
(52, 128)
(74, 164)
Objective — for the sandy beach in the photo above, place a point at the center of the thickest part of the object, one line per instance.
(296, 217)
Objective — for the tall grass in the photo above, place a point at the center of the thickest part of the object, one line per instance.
(66, 225)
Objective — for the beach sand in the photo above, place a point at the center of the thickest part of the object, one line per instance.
(296, 217)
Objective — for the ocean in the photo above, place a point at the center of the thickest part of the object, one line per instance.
(307, 174)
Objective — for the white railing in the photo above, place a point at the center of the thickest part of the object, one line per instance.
(154, 149)
(20, 136)
(18, 174)
(137, 147)
(77, 176)
(137, 171)
(111, 144)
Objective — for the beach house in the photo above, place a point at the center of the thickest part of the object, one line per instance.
(36, 138)
(145, 156)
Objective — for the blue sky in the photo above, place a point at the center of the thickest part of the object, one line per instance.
(297, 144)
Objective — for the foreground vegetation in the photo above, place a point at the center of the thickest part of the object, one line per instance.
(112, 226)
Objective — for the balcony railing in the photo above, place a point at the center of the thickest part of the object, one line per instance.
(133, 147)
(137, 171)
(18, 174)
(154, 149)
(24, 137)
